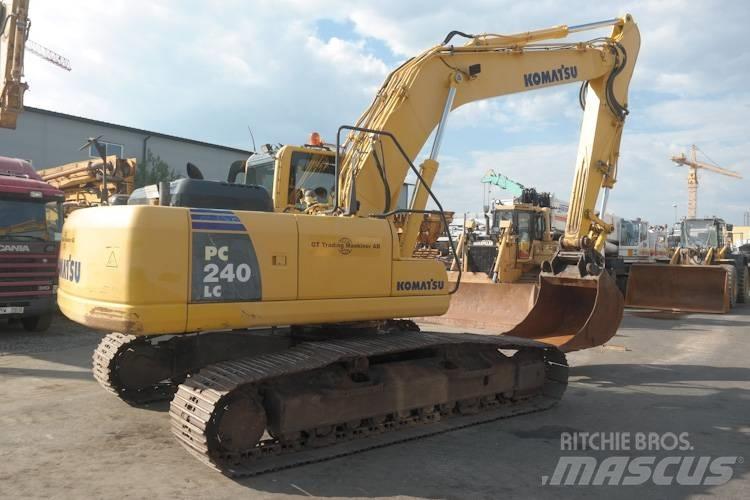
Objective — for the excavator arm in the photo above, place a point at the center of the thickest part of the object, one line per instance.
(416, 98)
(14, 27)
(577, 304)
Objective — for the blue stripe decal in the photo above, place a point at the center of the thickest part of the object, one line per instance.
(210, 211)
(218, 226)
(211, 217)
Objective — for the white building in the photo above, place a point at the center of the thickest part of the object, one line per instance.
(48, 138)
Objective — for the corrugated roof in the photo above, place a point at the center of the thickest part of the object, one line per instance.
(134, 130)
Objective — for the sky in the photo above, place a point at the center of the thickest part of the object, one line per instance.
(208, 70)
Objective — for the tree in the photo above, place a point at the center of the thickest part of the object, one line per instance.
(153, 171)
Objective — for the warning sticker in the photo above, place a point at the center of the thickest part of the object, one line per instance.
(112, 257)
(225, 268)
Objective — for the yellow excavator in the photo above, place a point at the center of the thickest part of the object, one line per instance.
(275, 321)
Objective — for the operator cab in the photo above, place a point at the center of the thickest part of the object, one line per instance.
(633, 238)
(281, 178)
(299, 177)
(30, 209)
(526, 221)
(703, 233)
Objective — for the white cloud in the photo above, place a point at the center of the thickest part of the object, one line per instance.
(648, 181)
(207, 69)
(346, 58)
(520, 113)
(546, 167)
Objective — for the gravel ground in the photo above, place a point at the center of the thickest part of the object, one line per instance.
(64, 437)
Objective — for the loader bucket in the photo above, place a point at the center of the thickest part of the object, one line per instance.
(680, 288)
(482, 304)
(573, 313)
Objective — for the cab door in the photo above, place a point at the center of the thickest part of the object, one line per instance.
(524, 235)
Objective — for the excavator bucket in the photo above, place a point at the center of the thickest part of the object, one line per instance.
(680, 288)
(570, 313)
(484, 305)
(573, 313)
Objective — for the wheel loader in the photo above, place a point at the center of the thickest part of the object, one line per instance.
(499, 271)
(274, 319)
(703, 275)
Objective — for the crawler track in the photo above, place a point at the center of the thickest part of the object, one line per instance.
(107, 360)
(146, 369)
(199, 403)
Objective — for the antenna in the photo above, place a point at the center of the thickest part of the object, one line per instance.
(252, 138)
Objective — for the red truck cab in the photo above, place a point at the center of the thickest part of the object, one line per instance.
(30, 229)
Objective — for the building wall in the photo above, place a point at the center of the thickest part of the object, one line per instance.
(741, 235)
(50, 140)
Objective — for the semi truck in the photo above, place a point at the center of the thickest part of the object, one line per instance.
(30, 229)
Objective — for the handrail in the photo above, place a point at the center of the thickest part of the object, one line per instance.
(384, 178)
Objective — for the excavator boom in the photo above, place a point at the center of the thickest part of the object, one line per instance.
(415, 101)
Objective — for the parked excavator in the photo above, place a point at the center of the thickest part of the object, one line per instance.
(279, 332)
(704, 274)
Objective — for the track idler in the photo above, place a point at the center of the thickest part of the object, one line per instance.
(578, 305)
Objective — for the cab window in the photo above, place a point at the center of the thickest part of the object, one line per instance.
(261, 174)
(313, 179)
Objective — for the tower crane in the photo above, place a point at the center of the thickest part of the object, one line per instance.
(48, 55)
(693, 164)
(14, 33)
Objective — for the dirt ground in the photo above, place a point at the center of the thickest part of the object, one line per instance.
(64, 437)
